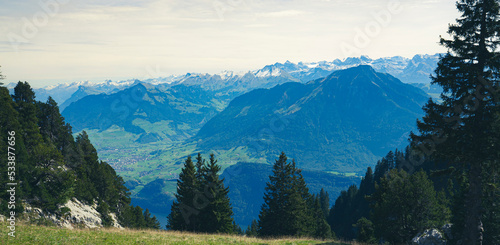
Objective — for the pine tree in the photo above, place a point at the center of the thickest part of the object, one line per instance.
(352, 205)
(323, 229)
(324, 202)
(366, 232)
(151, 221)
(216, 217)
(287, 203)
(25, 104)
(404, 206)
(252, 229)
(9, 123)
(459, 130)
(85, 189)
(183, 213)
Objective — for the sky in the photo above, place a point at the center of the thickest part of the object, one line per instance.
(46, 42)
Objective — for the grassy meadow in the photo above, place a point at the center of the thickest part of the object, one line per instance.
(35, 234)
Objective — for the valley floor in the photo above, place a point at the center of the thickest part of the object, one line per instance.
(33, 234)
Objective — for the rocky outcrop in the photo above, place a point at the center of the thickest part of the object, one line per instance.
(429, 237)
(74, 214)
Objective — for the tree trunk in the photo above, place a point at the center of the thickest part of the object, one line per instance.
(473, 230)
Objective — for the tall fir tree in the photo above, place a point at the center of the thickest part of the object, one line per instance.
(405, 205)
(11, 128)
(253, 229)
(324, 200)
(459, 130)
(183, 214)
(216, 216)
(288, 208)
(352, 205)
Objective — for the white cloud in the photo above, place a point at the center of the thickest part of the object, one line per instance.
(284, 13)
(91, 39)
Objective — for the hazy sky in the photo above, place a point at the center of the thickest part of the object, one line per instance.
(51, 41)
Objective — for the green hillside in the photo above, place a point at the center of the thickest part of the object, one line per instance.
(32, 234)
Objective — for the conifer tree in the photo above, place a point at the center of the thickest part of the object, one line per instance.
(352, 204)
(324, 199)
(252, 229)
(151, 221)
(404, 206)
(323, 229)
(217, 215)
(342, 215)
(9, 123)
(288, 208)
(24, 99)
(183, 213)
(459, 130)
(366, 231)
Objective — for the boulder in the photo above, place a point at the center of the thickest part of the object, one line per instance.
(79, 214)
(429, 237)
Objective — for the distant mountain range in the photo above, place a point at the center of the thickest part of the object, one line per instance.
(345, 121)
(415, 70)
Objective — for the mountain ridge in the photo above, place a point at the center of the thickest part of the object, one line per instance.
(331, 112)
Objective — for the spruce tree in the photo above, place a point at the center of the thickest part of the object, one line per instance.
(323, 229)
(288, 208)
(151, 221)
(216, 217)
(9, 123)
(405, 205)
(352, 204)
(252, 229)
(366, 231)
(460, 130)
(183, 213)
(324, 199)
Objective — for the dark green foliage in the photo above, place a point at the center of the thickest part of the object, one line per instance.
(460, 130)
(9, 122)
(322, 229)
(248, 180)
(237, 229)
(324, 201)
(51, 167)
(183, 215)
(216, 216)
(253, 229)
(352, 205)
(151, 221)
(202, 203)
(366, 231)
(289, 209)
(342, 214)
(24, 99)
(405, 205)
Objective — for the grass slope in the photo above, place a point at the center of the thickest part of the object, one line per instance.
(32, 234)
